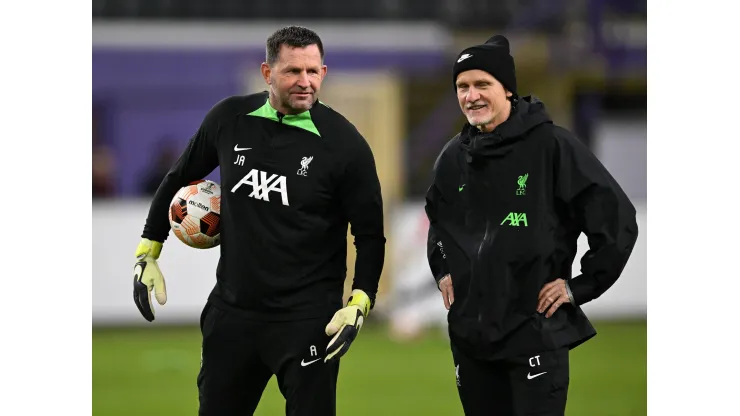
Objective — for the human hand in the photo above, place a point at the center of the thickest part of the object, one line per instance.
(448, 295)
(552, 296)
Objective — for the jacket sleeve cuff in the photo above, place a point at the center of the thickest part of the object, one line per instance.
(583, 288)
(438, 278)
(570, 293)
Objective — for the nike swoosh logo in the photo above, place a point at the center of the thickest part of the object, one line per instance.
(464, 57)
(238, 149)
(303, 363)
(529, 376)
(460, 188)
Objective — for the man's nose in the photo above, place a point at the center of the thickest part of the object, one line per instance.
(303, 80)
(473, 95)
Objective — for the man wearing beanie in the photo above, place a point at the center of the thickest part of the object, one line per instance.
(511, 193)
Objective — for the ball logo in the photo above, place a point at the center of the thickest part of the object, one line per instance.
(199, 205)
(207, 188)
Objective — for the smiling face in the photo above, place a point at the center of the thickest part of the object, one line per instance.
(482, 99)
(295, 78)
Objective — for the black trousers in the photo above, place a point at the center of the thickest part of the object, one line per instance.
(240, 356)
(521, 386)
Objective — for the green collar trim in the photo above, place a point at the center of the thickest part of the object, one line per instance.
(302, 120)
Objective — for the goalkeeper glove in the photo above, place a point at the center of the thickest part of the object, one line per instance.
(147, 277)
(346, 323)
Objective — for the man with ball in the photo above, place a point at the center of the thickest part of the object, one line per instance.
(294, 174)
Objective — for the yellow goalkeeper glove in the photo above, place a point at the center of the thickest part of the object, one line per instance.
(346, 323)
(147, 276)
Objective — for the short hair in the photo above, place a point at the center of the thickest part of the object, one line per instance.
(294, 36)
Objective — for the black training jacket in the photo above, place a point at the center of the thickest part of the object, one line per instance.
(290, 186)
(505, 210)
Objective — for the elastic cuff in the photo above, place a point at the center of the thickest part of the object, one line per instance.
(570, 294)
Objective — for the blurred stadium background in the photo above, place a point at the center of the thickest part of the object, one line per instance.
(159, 65)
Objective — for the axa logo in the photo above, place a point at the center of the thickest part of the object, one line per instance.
(515, 218)
(262, 185)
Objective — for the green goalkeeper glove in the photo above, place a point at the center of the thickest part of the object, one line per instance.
(346, 323)
(147, 277)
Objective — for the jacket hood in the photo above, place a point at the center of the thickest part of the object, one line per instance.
(528, 113)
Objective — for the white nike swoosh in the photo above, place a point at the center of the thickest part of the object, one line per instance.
(464, 57)
(303, 363)
(529, 376)
(237, 149)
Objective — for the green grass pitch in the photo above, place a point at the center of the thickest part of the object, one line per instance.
(152, 371)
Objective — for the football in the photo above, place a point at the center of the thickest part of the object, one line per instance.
(195, 214)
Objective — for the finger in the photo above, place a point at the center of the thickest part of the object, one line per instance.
(541, 296)
(141, 293)
(441, 283)
(554, 292)
(341, 342)
(334, 325)
(548, 297)
(160, 291)
(145, 302)
(554, 307)
(543, 293)
(138, 303)
(551, 300)
(137, 273)
(542, 300)
(542, 305)
(445, 298)
(451, 293)
(546, 288)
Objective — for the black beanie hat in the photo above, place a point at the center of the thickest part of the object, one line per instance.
(492, 57)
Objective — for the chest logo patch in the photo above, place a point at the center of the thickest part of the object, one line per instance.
(522, 182)
(303, 171)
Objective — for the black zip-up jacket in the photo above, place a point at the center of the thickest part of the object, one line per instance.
(290, 186)
(505, 210)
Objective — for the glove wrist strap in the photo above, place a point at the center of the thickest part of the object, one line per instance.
(360, 299)
(148, 247)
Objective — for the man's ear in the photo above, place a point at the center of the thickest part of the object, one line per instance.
(266, 71)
